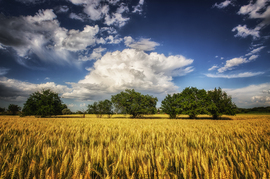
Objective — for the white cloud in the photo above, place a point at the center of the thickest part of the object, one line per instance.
(82, 105)
(138, 8)
(222, 4)
(74, 40)
(109, 30)
(257, 50)
(131, 68)
(143, 44)
(62, 9)
(47, 78)
(76, 17)
(115, 19)
(232, 63)
(240, 75)
(250, 96)
(3, 71)
(42, 35)
(113, 39)
(258, 10)
(253, 57)
(243, 31)
(96, 11)
(96, 54)
(16, 90)
(213, 67)
(71, 105)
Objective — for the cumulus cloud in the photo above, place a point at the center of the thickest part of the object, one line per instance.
(222, 4)
(232, 63)
(142, 44)
(243, 31)
(213, 67)
(16, 90)
(130, 68)
(109, 30)
(260, 9)
(42, 35)
(240, 75)
(75, 40)
(3, 71)
(251, 95)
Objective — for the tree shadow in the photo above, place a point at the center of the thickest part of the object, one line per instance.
(185, 118)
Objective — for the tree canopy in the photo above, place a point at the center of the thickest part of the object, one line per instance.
(13, 109)
(134, 103)
(192, 101)
(220, 104)
(43, 103)
(100, 108)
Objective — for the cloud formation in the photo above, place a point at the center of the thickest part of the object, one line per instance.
(232, 63)
(243, 31)
(222, 4)
(251, 96)
(130, 68)
(16, 90)
(142, 44)
(240, 75)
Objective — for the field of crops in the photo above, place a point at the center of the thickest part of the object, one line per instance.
(120, 147)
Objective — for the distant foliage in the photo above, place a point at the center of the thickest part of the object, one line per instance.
(192, 101)
(134, 103)
(13, 109)
(43, 103)
(100, 108)
(2, 110)
(66, 111)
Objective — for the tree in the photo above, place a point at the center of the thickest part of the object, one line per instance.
(220, 104)
(100, 108)
(43, 103)
(134, 103)
(194, 101)
(66, 111)
(171, 105)
(13, 109)
(2, 110)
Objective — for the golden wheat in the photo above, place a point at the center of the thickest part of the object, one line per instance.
(120, 147)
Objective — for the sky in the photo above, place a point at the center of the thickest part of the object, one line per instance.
(88, 50)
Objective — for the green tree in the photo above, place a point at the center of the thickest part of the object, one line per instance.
(220, 104)
(13, 109)
(43, 103)
(66, 111)
(194, 101)
(134, 103)
(101, 107)
(171, 105)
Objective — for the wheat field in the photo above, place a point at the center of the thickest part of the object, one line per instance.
(120, 147)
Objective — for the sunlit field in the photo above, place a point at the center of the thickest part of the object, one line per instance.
(120, 147)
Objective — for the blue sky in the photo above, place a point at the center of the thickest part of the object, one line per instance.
(88, 50)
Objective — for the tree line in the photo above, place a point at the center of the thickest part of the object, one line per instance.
(191, 101)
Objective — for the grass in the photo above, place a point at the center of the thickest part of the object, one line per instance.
(120, 147)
